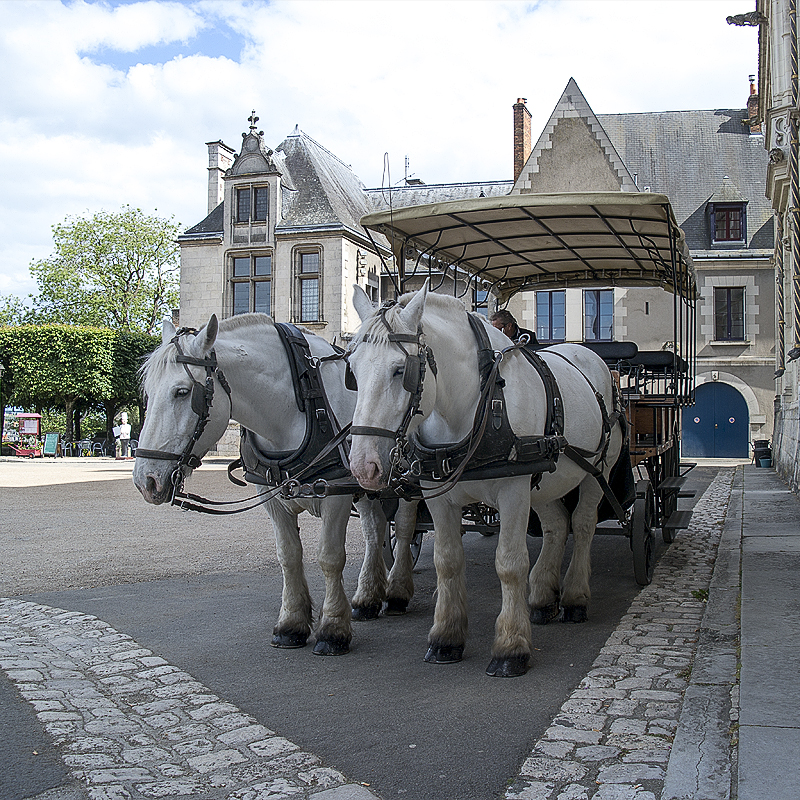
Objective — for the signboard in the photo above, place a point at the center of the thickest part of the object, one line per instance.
(29, 425)
(50, 444)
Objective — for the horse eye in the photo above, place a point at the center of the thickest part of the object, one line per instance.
(181, 392)
(398, 372)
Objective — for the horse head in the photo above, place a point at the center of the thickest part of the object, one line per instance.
(182, 423)
(387, 359)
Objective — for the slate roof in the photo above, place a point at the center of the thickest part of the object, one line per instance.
(326, 191)
(686, 155)
(211, 225)
(421, 194)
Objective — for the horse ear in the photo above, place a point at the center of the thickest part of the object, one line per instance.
(412, 313)
(362, 303)
(206, 338)
(167, 331)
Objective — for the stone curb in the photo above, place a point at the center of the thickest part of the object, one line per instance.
(613, 736)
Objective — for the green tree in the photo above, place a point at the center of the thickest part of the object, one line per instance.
(111, 270)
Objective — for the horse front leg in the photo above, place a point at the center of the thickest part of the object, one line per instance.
(401, 577)
(296, 616)
(448, 635)
(512, 646)
(335, 631)
(545, 577)
(576, 593)
(371, 592)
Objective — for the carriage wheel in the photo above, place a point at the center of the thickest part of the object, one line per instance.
(643, 540)
(390, 542)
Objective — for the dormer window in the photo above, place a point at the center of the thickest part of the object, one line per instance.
(727, 222)
(252, 203)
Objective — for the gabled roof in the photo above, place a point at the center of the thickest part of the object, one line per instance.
(571, 106)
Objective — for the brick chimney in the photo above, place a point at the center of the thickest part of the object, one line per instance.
(220, 157)
(752, 108)
(522, 135)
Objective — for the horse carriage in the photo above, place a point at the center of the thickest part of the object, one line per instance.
(502, 246)
(565, 432)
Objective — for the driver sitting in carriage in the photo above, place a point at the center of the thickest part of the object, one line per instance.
(504, 320)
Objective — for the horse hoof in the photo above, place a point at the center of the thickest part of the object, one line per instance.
(332, 647)
(364, 613)
(544, 614)
(508, 667)
(289, 640)
(444, 654)
(395, 606)
(575, 614)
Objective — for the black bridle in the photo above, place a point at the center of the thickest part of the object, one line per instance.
(201, 401)
(413, 377)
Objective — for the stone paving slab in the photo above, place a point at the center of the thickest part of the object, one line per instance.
(613, 738)
(133, 727)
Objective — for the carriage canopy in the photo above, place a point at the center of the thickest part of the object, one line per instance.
(545, 241)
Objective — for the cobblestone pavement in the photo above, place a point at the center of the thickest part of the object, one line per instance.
(613, 735)
(132, 726)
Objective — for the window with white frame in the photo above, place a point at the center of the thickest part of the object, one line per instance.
(598, 315)
(729, 313)
(481, 301)
(308, 286)
(251, 283)
(728, 222)
(551, 316)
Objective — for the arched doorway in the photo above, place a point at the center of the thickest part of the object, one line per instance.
(718, 424)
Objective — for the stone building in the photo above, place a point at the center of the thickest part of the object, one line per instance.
(711, 165)
(283, 236)
(779, 102)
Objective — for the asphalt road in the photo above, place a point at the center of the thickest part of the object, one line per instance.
(204, 593)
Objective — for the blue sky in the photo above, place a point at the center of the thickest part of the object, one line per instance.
(108, 103)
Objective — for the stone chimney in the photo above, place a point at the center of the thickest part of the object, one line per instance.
(522, 135)
(220, 157)
(752, 108)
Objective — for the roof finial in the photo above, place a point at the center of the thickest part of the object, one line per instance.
(252, 119)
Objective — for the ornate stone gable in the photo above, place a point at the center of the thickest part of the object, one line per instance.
(573, 153)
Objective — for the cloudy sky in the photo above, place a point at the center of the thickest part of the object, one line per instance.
(110, 103)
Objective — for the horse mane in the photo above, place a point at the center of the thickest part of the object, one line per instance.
(162, 359)
(374, 329)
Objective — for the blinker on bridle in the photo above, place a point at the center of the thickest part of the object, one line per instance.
(201, 401)
(413, 377)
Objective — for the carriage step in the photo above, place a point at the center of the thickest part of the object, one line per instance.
(678, 520)
(670, 484)
(687, 493)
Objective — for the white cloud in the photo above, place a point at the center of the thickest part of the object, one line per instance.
(434, 81)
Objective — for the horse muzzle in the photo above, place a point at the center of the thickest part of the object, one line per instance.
(156, 480)
(370, 466)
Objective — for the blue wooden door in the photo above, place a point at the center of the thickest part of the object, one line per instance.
(717, 425)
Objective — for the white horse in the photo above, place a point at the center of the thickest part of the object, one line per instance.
(447, 406)
(261, 398)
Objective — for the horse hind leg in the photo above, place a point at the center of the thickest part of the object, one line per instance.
(401, 577)
(576, 593)
(545, 577)
(371, 591)
(296, 615)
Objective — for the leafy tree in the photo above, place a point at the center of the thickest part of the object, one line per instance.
(12, 311)
(111, 270)
(50, 366)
